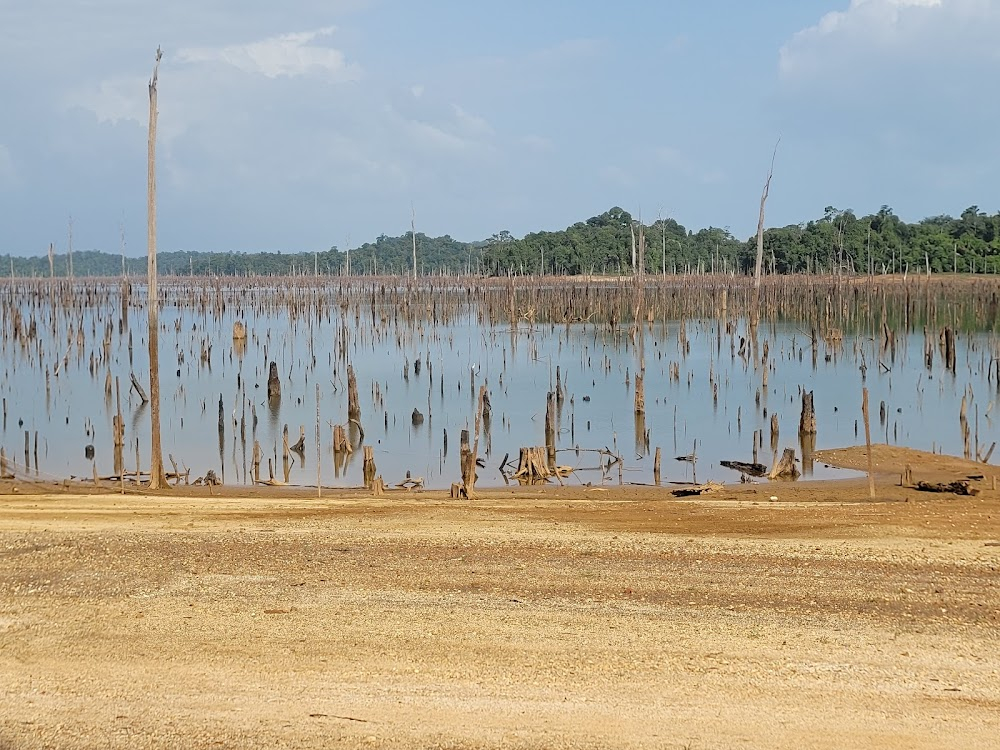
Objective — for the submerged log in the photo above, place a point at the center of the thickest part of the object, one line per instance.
(785, 468)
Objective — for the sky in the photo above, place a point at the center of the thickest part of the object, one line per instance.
(306, 124)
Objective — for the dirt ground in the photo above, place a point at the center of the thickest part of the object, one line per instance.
(792, 615)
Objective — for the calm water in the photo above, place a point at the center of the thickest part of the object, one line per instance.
(711, 407)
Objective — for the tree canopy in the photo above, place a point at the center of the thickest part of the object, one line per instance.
(836, 242)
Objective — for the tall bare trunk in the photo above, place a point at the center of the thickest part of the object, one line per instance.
(156, 478)
(755, 307)
(413, 234)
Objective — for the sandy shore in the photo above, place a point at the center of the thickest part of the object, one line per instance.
(527, 618)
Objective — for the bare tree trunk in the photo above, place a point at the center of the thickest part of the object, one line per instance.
(156, 476)
(755, 307)
(413, 235)
(868, 442)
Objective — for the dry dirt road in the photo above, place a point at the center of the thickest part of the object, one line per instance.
(575, 618)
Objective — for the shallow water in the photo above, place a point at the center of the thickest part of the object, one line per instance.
(711, 409)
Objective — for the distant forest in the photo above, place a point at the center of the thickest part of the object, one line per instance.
(837, 242)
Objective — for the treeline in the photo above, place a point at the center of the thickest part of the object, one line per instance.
(837, 242)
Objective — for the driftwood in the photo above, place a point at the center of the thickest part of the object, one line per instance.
(410, 483)
(139, 389)
(785, 468)
(958, 487)
(700, 489)
(754, 469)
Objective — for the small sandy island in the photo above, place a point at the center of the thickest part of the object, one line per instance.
(770, 615)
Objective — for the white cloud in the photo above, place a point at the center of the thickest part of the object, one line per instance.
(290, 55)
(872, 34)
(471, 123)
(117, 99)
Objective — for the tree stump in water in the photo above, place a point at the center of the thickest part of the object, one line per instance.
(785, 468)
(949, 349)
(807, 419)
(368, 468)
(353, 407)
(532, 464)
(550, 430)
(340, 442)
(273, 382)
(239, 331)
(300, 444)
(640, 395)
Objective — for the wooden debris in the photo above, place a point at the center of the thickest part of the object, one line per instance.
(139, 389)
(699, 489)
(958, 487)
(753, 469)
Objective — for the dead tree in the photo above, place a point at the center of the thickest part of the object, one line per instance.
(868, 442)
(755, 306)
(469, 456)
(156, 476)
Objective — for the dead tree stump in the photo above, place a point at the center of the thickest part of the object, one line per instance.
(340, 443)
(785, 468)
(949, 348)
(368, 468)
(550, 429)
(640, 395)
(532, 464)
(807, 419)
(273, 382)
(353, 407)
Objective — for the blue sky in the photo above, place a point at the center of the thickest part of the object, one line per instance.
(307, 123)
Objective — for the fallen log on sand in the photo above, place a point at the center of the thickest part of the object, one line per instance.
(958, 487)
